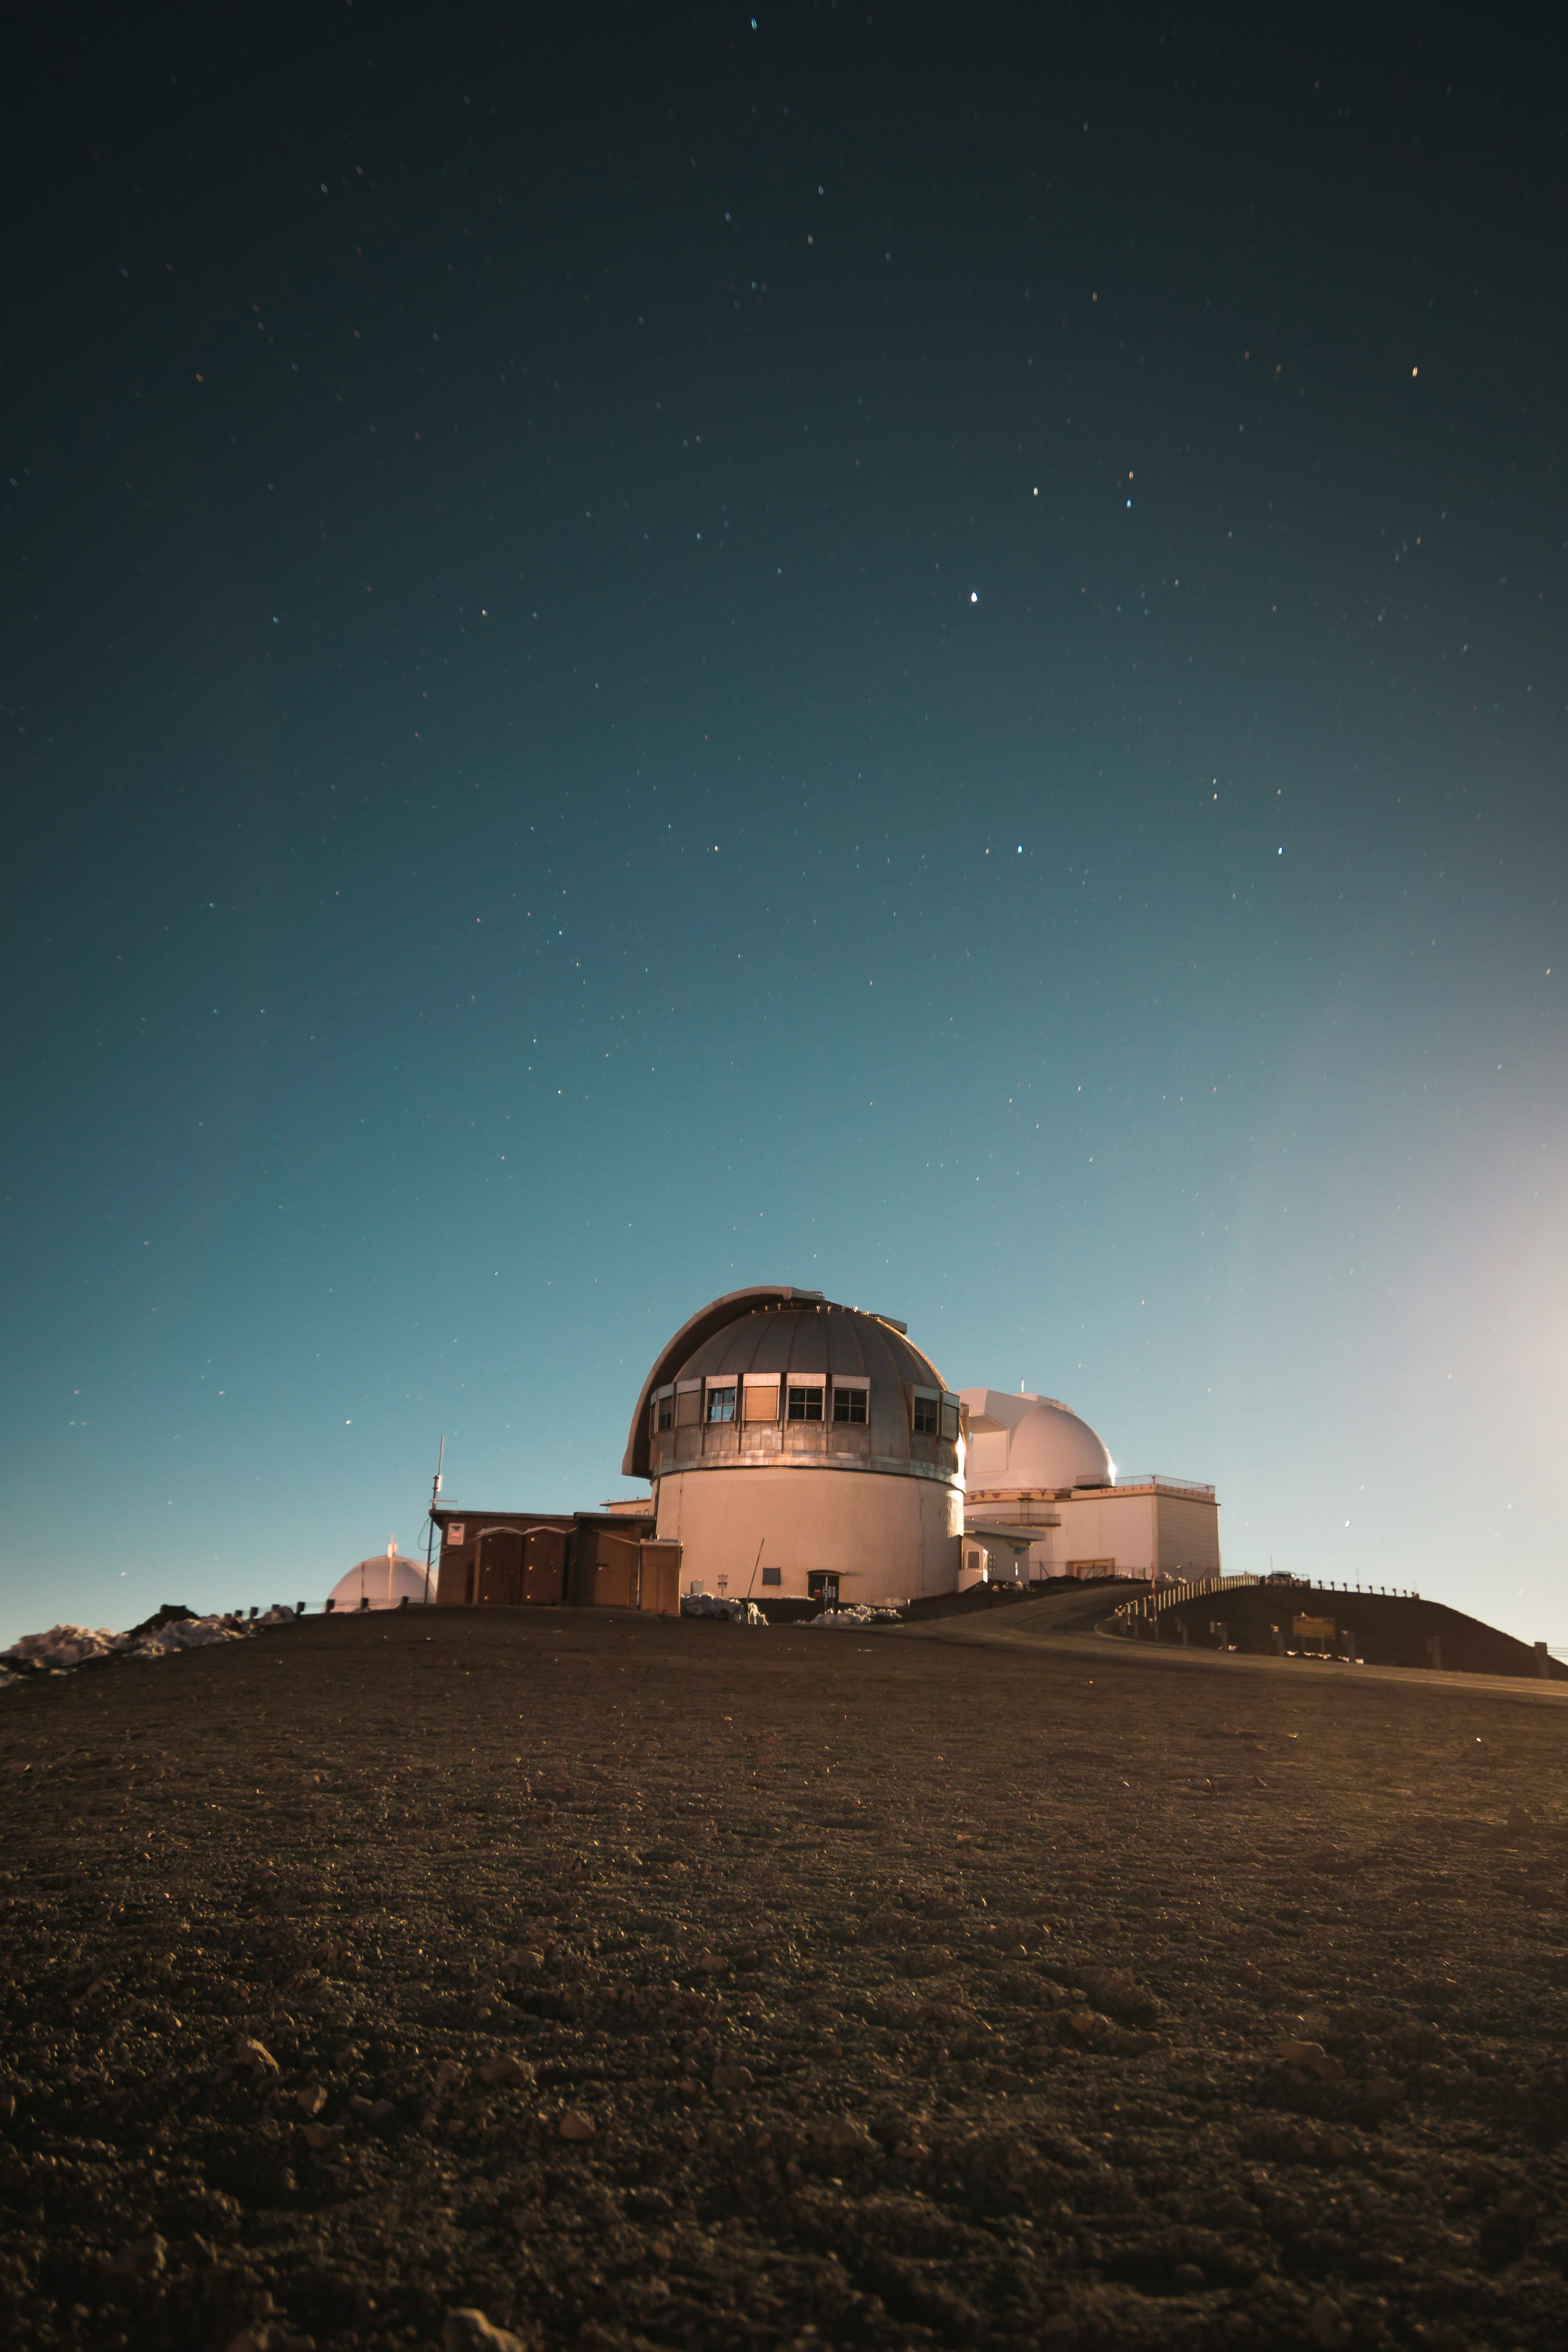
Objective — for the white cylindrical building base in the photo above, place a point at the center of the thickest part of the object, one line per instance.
(886, 1537)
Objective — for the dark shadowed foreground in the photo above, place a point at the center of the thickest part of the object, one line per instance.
(643, 1982)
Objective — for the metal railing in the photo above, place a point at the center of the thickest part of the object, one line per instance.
(1166, 1486)
(1374, 1592)
(1151, 1605)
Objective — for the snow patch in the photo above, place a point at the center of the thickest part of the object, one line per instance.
(63, 1645)
(858, 1614)
(709, 1604)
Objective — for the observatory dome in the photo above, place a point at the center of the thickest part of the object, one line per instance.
(804, 1444)
(367, 1580)
(1031, 1442)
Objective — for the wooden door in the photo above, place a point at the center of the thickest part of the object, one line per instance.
(615, 1575)
(543, 1567)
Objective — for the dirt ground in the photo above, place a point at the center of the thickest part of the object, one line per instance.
(673, 1984)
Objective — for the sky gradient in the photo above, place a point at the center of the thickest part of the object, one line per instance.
(914, 653)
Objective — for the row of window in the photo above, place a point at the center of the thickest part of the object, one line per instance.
(805, 1404)
(721, 1401)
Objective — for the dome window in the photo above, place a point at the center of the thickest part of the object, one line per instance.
(806, 1403)
(688, 1403)
(721, 1401)
(664, 1410)
(762, 1397)
(927, 1412)
(849, 1400)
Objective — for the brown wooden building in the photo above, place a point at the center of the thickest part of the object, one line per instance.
(580, 1560)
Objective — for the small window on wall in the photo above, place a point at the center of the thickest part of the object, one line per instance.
(687, 1408)
(925, 1416)
(849, 1404)
(763, 1401)
(773, 1576)
(722, 1403)
(805, 1404)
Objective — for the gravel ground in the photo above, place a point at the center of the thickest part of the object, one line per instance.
(673, 1984)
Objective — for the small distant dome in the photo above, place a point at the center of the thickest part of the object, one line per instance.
(1031, 1441)
(367, 1580)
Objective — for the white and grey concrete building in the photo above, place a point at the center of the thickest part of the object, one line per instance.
(1033, 1466)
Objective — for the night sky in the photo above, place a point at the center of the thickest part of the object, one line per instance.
(914, 653)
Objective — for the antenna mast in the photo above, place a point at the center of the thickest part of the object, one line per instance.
(430, 1514)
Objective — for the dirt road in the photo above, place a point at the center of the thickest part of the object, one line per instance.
(673, 1984)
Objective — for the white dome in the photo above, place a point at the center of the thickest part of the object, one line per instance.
(367, 1580)
(1030, 1441)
